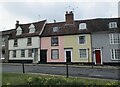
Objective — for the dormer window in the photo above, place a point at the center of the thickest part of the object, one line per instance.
(82, 26)
(19, 31)
(113, 25)
(56, 29)
(31, 28)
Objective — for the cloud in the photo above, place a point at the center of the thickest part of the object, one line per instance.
(34, 11)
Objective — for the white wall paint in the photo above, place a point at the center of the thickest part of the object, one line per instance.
(22, 44)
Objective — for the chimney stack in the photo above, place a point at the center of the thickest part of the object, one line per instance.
(69, 17)
(17, 23)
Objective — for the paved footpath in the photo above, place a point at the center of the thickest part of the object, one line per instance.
(103, 72)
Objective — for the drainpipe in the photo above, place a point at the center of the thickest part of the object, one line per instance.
(91, 49)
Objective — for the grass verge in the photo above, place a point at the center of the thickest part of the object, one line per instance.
(13, 79)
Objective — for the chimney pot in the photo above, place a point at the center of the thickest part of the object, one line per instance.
(69, 17)
(17, 24)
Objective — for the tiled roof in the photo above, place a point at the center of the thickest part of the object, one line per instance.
(25, 30)
(93, 25)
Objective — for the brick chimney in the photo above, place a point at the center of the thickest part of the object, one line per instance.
(17, 24)
(69, 17)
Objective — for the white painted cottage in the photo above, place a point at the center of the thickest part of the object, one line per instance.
(24, 44)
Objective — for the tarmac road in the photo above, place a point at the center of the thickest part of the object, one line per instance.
(104, 73)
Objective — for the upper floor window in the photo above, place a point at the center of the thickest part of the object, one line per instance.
(83, 53)
(14, 53)
(54, 41)
(31, 28)
(54, 54)
(82, 26)
(114, 38)
(113, 25)
(15, 42)
(82, 39)
(56, 29)
(19, 31)
(115, 54)
(22, 53)
(29, 41)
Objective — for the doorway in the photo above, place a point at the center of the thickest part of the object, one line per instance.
(68, 55)
(98, 56)
(43, 56)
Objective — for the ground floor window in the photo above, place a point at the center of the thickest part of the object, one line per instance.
(54, 54)
(14, 53)
(22, 53)
(115, 54)
(83, 53)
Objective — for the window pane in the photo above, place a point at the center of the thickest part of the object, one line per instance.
(82, 26)
(54, 41)
(83, 53)
(81, 39)
(14, 53)
(22, 53)
(55, 29)
(55, 54)
(29, 41)
(15, 42)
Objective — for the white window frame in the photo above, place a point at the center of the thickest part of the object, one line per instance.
(85, 40)
(113, 25)
(82, 26)
(13, 53)
(86, 53)
(113, 54)
(111, 38)
(22, 53)
(56, 29)
(52, 54)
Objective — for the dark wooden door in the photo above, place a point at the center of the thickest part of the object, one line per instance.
(98, 56)
(43, 56)
(68, 56)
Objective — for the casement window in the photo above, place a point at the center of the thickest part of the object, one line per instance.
(22, 53)
(54, 54)
(82, 26)
(30, 53)
(114, 38)
(82, 40)
(56, 29)
(14, 53)
(113, 25)
(54, 41)
(83, 53)
(115, 54)
(29, 41)
(15, 42)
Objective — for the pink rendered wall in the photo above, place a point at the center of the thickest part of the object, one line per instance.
(46, 44)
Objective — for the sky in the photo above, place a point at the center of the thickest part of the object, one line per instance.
(28, 11)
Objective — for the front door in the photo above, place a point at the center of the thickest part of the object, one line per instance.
(98, 56)
(43, 56)
(68, 55)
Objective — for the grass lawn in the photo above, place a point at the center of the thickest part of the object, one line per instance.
(37, 79)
